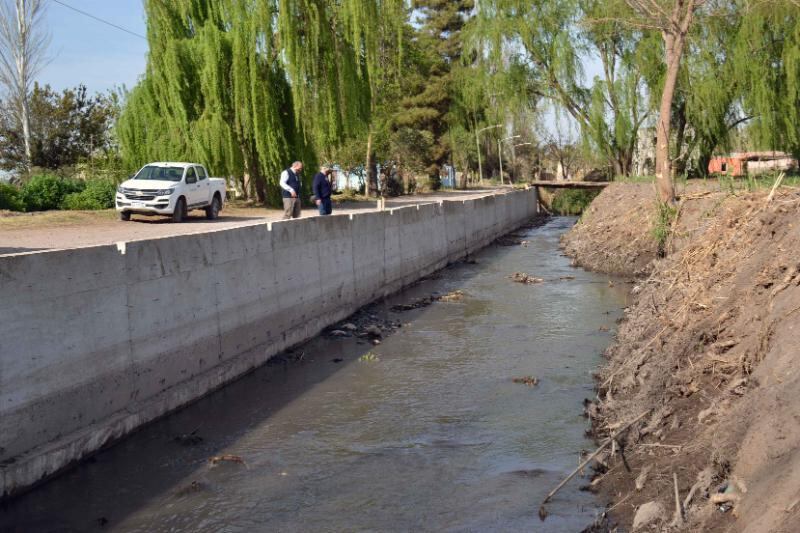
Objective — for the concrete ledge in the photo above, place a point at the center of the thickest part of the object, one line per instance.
(98, 341)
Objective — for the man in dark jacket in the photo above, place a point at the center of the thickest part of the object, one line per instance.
(322, 190)
(290, 190)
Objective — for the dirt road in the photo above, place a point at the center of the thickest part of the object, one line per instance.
(26, 232)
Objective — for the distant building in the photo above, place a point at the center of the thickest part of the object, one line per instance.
(751, 163)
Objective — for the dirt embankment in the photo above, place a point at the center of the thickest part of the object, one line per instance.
(710, 348)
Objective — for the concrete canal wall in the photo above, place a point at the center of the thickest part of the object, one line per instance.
(97, 341)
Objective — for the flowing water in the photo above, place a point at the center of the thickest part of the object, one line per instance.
(430, 434)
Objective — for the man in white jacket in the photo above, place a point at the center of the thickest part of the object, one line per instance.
(290, 190)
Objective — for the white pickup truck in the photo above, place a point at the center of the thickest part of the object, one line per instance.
(171, 189)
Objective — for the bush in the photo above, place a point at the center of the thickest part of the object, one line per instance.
(47, 191)
(10, 198)
(572, 201)
(98, 194)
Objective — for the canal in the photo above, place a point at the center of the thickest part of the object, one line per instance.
(426, 431)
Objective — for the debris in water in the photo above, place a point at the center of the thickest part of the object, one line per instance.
(337, 360)
(542, 513)
(454, 296)
(349, 327)
(194, 486)
(603, 328)
(102, 521)
(339, 333)
(226, 458)
(376, 342)
(530, 381)
(369, 357)
(566, 278)
(189, 439)
(523, 277)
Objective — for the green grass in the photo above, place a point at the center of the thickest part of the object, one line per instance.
(665, 215)
(634, 179)
(755, 183)
(572, 201)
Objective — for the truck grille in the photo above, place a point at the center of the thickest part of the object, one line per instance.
(143, 195)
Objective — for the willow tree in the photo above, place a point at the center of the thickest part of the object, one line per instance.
(554, 38)
(249, 85)
(768, 56)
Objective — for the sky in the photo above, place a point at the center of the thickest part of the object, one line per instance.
(83, 50)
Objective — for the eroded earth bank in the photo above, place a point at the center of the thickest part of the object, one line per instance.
(708, 349)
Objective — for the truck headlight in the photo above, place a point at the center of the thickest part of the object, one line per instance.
(165, 192)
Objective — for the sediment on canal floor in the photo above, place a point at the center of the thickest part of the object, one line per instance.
(709, 349)
(97, 341)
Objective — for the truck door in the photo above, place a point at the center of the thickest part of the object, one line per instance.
(192, 188)
(204, 192)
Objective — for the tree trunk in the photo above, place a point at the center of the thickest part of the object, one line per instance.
(261, 189)
(22, 78)
(252, 177)
(244, 183)
(372, 170)
(674, 50)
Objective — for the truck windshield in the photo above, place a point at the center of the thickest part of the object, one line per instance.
(153, 172)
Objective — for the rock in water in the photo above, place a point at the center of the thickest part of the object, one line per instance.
(375, 331)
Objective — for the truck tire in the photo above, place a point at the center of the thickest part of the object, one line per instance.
(180, 210)
(124, 216)
(212, 211)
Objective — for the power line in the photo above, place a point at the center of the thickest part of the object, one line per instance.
(100, 20)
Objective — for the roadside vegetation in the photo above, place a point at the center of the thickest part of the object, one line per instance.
(44, 192)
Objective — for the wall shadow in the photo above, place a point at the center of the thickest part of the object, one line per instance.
(163, 459)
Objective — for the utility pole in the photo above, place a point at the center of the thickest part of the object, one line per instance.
(478, 145)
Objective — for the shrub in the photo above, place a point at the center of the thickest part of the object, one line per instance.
(98, 194)
(47, 191)
(9, 198)
(662, 226)
(572, 201)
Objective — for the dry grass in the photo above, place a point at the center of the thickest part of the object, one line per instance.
(12, 220)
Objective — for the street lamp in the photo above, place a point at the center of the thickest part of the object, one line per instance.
(500, 152)
(478, 144)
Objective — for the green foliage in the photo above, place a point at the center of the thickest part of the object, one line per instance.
(46, 191)
(66, 128)
(98, 194)
(248, 86)
(662, 226)
(767, 55)
(10, 198)
(555, 37)
(572, 201)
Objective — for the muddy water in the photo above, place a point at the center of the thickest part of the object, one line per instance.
(429, 435)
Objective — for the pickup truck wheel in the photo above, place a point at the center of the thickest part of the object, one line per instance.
(180, 210)
(125, 216)
(212, 211)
